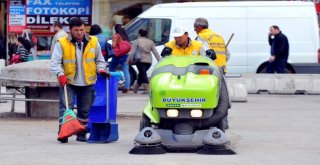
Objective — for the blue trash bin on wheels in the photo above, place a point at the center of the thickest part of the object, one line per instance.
(103, 126)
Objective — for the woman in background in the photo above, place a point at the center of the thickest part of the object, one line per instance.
(146, 46)
(96, 31)
(23, 49)
(12, 44)
(119, 36)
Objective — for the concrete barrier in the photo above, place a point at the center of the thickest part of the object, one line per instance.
(255, 85)
(237, 89)
(316, 85)
(283, 83)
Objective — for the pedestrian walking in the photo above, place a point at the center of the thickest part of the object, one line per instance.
(96, 31)
(143, 47)
(2, 47)
(121, 47)
(12, 44)
(279, 50)
(58, 29)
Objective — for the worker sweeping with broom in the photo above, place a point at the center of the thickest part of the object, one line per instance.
(76, 60)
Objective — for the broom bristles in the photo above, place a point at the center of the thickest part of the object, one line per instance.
(147, 150)
(70, 128)
(213, 151)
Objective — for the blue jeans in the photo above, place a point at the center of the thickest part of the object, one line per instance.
(125, 68)
(85, 98)
(278, 65)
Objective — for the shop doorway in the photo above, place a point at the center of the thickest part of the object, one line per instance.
(3, 29)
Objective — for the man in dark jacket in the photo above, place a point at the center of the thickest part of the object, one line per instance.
(279, 50)
(2, 47)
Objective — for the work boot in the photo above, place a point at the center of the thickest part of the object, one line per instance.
(125, 90)
(146, 88)
(65, 140)
(81, 137)
(135, 87)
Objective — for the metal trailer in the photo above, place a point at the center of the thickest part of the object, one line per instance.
(40, 87)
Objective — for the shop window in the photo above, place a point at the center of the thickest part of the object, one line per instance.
(43, 43)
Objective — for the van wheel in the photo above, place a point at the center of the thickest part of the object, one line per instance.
(133, 75)
(263, 68)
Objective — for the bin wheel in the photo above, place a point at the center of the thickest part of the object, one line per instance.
(144, 122)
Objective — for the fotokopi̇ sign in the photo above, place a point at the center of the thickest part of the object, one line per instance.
(41, 14)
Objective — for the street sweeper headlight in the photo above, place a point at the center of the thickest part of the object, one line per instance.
(196, 113)
(172, 113)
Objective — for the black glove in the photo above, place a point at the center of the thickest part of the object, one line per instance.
(211, 54)
(166, 51)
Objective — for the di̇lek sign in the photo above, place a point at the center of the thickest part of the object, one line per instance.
(41, 14)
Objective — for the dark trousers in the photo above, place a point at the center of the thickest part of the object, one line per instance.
(278, 65)
(85, 97)
(142, 76)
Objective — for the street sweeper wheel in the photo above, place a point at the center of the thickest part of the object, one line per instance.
(144, 122)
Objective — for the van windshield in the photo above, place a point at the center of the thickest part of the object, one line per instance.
(158, 29)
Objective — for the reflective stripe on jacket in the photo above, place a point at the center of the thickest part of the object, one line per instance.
(194, 48)
(88, 64)
(216, 43)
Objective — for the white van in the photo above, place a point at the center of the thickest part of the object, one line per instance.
(250, 21)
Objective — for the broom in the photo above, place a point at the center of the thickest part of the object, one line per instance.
(70, 124)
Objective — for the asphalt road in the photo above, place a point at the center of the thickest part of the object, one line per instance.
(268, 129)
